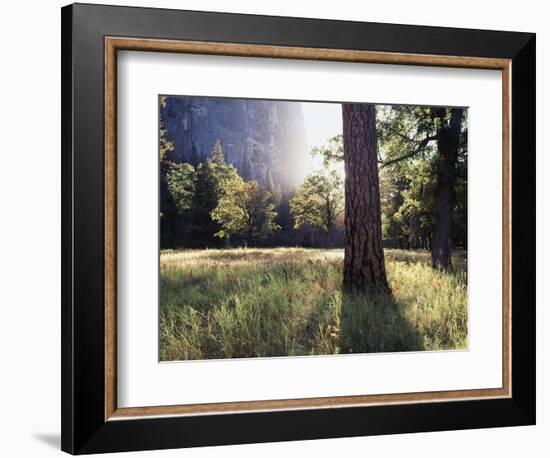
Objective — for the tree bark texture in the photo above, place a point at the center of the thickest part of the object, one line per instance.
(448, 138)
(364, 266)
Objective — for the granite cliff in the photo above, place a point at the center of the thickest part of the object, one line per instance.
(259, 137)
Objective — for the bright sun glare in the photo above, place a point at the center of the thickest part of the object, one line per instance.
(322, 121)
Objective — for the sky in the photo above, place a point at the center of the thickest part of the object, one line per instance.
(322, 120)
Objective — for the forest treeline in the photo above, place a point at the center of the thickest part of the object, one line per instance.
(422, 170)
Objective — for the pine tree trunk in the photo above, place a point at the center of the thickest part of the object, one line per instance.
(364, 266)
(447, 146)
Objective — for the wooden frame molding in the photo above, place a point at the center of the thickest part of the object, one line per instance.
(111, 46)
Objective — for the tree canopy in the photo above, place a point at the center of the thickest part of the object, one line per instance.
(320, 200)
(207, 201)
(181, 184)
(244, 209)
(418, 168)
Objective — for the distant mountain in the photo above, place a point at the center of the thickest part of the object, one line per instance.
(260, 137)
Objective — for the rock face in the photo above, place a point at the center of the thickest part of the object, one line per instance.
(260, 138)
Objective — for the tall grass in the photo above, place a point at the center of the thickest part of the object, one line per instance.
(288, 301)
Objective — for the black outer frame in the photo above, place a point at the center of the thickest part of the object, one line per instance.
(84, 429)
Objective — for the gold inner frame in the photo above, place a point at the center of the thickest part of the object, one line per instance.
(112, 45)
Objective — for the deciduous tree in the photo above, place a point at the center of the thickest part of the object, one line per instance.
(211, 178)
(319, 202)
(181, 184)
(245, 209)
(429, 146)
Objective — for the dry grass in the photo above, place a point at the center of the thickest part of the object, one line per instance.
(288, 301)
(180, 259)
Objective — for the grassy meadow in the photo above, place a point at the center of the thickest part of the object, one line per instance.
(254, 302)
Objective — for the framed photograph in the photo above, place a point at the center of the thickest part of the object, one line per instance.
(281, 228)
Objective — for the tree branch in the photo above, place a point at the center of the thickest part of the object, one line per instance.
(421, 146)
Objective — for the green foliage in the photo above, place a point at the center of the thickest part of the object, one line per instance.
(320, 200)
(245, 209)
(210, 181)
(288, 301)
(332, 152)
(217, 156)
(408, 157)
(407, 193)
(181, 184)
(408, 175)
(405, 131)
(165, 146)
(168, 208)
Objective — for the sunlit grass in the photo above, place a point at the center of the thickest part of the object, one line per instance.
(288, 302)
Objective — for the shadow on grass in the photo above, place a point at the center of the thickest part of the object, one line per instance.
(374, 322)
